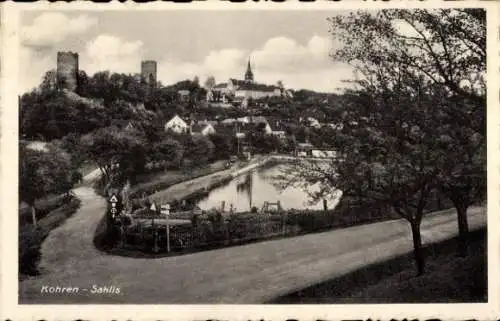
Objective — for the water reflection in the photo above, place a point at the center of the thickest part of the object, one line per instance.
(244, 188)
(255, 188)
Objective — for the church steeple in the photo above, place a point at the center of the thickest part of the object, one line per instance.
(249, 73)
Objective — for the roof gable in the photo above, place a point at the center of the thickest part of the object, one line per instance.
(176, 119)
(238, 82)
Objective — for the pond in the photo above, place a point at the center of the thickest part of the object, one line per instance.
(257, 187)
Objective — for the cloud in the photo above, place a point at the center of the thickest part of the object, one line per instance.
(35, 66)
(51, 28)
(40, 41)
(221, 64)
(279, 58)
(108, 52)
(226, 59)
(284, 54)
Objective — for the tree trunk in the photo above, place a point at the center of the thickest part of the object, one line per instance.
(463, 230)
(417, 247)
(33, 215)
(439, 202)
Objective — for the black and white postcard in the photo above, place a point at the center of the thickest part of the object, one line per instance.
(250, 161)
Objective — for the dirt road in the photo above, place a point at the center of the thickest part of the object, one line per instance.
(251, 273)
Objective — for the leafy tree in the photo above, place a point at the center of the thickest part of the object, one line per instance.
(71, 145)
(42, 173)
(303, 134)
(463, 174)
(199, 150)
(83, 84)
(99, 87)
(290, 144)
(117, 152)
(210, 82)
(160, 99)
(49, 81)
(167, 150)
(53, 115)
(385, 159)
(445, 48)
(261, 141)
(224, 144)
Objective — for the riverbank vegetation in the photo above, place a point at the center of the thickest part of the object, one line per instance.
(153, 182)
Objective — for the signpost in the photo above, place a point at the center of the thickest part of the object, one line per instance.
(165, 210)
(155, 236)
(113, 200)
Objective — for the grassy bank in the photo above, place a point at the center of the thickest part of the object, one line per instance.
(30, 240)
(448, 278)
(152, 182)
(43, 207)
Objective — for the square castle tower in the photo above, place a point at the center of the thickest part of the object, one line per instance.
(148, 72)
(67, 70)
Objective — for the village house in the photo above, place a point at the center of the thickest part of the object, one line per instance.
(258, 120)
(335, 126)
(310, 122)
(278, 132)
(242, 90)
(267, 129)
(257, 91)
(243, 120)
(176, 125)
(183, 94)
(240, 135)
(202, 129)
(304, 149)
(228, 121)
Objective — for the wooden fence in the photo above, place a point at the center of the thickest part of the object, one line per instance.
(204, 236)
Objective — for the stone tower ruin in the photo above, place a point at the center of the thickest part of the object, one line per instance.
(148, 72)
(67, 70)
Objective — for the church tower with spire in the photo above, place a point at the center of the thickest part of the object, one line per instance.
(249, 73)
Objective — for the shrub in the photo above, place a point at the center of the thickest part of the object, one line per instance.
(31, 239)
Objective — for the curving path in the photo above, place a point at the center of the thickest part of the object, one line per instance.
(253, 273)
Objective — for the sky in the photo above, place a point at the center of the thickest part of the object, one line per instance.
(291, 46)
